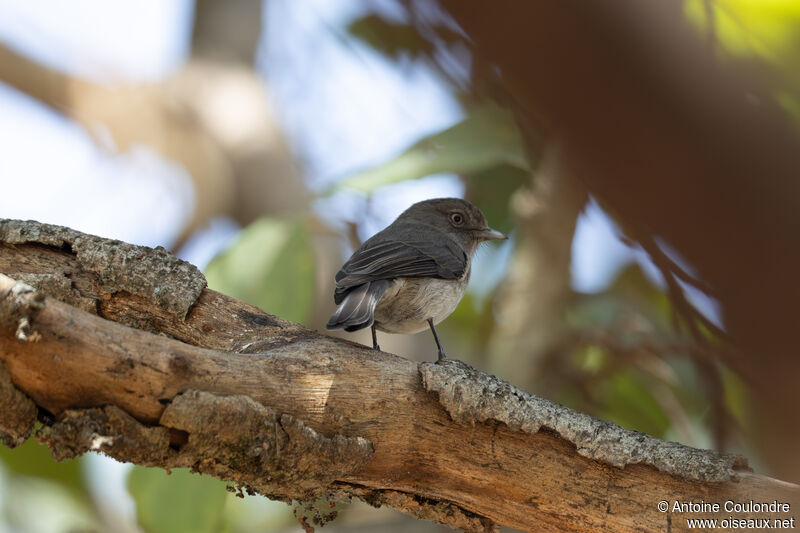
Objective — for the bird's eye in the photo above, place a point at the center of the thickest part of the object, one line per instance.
(456, 218)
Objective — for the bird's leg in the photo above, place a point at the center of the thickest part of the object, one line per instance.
(442, 356)
(374, 338)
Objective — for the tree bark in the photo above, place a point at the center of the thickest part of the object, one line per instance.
(134, 357)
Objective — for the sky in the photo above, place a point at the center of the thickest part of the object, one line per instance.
(367, 110)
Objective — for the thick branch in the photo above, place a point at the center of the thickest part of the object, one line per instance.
(248, 397)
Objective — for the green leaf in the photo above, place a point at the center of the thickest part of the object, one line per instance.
(629, 403)
(180, 502)
(737, 397)
(632, 294)
(591, 359)
(33, 504)
(486, 138)
(397, 40)
(34, 459)
(767, 28)
(466, 332)
(389, 38)
(255, 513)
(491, 189)
(764, 29)
(271, 266)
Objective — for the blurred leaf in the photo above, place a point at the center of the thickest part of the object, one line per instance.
(628, 402)
(395, 40)
(593, 311)
(692, 392)
(491, 190)
(271, 266)
(177, 503)
(486, 138)
(257, 514)
(635, 286)
(32, 504)
(736, 397)
(34, 459)
(389, 38)
(791, 104)
(632, 297)
(469, 328)
(591, 359)
(634, 314)
(768, 28)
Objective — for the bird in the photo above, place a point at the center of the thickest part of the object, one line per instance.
(411, 275)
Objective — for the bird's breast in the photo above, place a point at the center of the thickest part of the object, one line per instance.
(408, 303)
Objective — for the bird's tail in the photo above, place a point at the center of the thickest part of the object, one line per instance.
(357, 309)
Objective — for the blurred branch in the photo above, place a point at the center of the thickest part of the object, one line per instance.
(533, 297)
(672, 272)
(703, 355)
(212, 118)
(232, 102)
(647, 354)
(650, 355)
(676, 145)
(169, 374)
(227, 31)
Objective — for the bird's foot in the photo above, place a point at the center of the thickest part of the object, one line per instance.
(442, 357)
(374, 338)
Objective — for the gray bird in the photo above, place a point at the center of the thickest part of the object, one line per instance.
(412, 274)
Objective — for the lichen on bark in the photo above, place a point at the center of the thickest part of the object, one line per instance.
(154, 274)
(473, 397)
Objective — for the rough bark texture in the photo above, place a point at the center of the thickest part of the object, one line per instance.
(293, 414)
(153, 274)
(19, 412)
(595, 439)
(231, 437)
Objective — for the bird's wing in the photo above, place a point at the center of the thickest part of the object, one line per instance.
(400, 259)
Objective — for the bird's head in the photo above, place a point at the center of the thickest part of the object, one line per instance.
(455, 217)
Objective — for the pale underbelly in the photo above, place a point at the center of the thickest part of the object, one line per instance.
(408, 303)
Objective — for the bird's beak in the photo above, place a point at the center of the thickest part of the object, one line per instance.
(489, 234)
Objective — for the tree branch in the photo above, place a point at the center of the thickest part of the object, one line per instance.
(242, 169)
(146, 365)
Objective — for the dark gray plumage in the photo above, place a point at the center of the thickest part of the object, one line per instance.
(412, 274)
